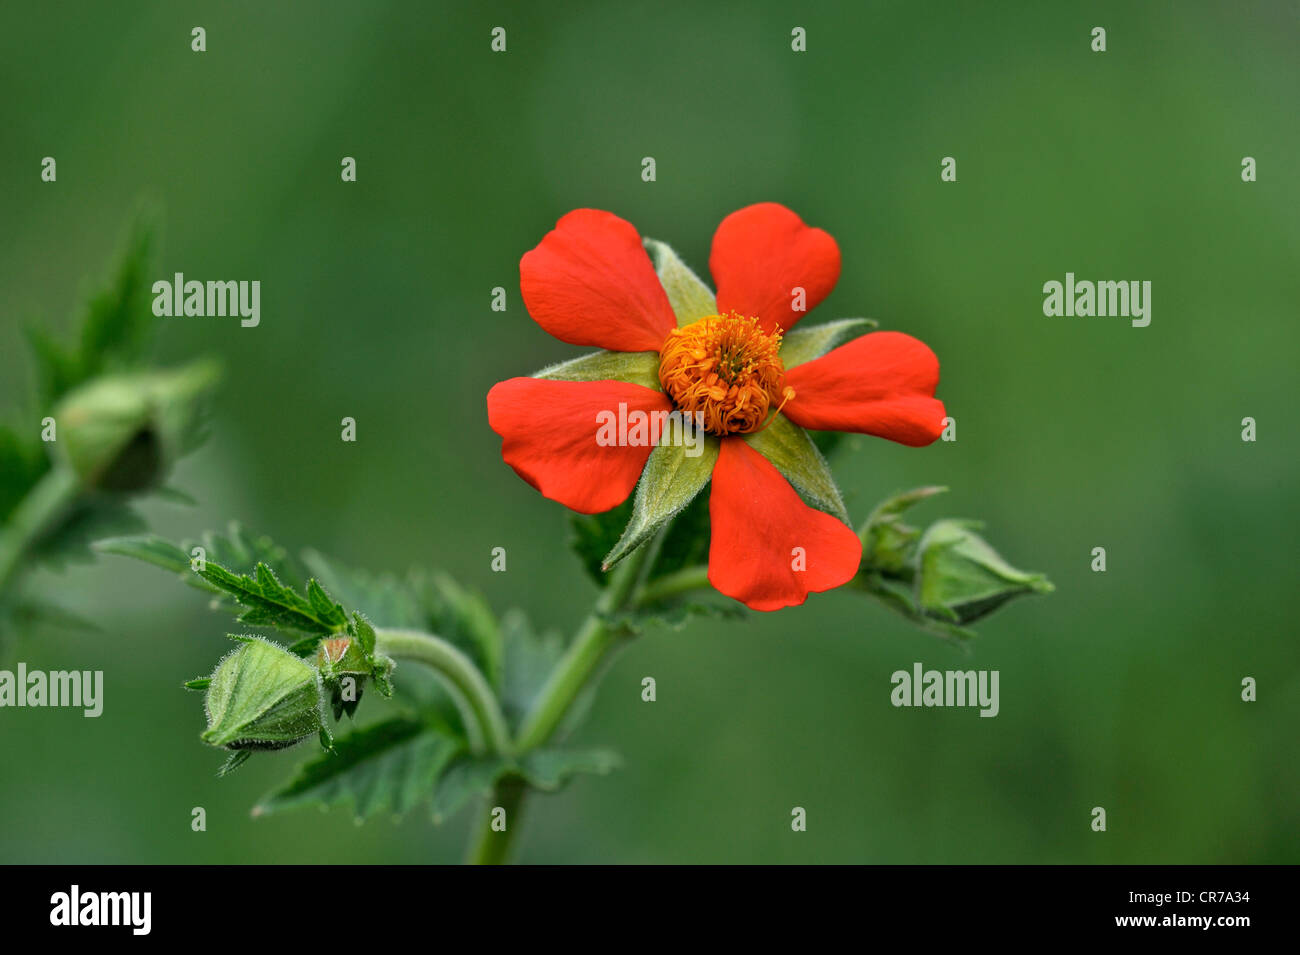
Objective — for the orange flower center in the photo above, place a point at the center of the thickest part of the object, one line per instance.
(727, 367)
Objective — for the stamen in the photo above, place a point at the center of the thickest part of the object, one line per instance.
(727, 368)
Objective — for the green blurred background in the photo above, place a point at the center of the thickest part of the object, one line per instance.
(1121, 690)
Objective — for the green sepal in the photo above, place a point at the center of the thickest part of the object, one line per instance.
(671, 480)
(234, 761)
(887, 541)
(961, 578)
(803, 344)
(690, 298)
(636, 367)
(795, 455)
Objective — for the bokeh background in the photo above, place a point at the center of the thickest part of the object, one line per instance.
(1121, 690)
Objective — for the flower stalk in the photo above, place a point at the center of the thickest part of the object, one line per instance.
(483, 717)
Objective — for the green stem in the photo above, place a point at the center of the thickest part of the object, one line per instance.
(42, 508)
(460, 673)
(492, 847)
(671, 585)
(594, 639)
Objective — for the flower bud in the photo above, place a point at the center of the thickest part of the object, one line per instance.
(343, 669)
(960, 578)
(123, 432)
(262, 697)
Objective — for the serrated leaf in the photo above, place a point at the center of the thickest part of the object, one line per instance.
(118, 318)
(385, 600)
(463, 618)
(528, 661)
(673, 614)
(671, 480)
(549, 769)
(271, 604)
(149, 548)
(806, 343)
(639, 368)
(795, 455)
(389, 767)
(468, 777)
(326, 609)
(592, 536)
(690, 298)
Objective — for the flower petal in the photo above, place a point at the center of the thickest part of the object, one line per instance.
(769, 549)
(761, 254)
(590, 282)
(882, 384)
(549, 436)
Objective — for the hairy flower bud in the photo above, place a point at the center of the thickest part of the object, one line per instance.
(123, 432)
(960, 578)
(343, 668)
(261, 696)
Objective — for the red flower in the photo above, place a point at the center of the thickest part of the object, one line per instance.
(591, 282)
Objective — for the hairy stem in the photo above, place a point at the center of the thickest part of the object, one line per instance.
(492, 847)
(674, 585)
(458, 671)
(594, 639)
(42, 508)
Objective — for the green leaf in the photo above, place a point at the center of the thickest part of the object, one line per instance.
(326, 609)
(118, 318)
(33, 610)
(671, 480)
(385, 600)
(86, 522)
(549, 769)
(806, 343)
(673, 614)
(527, 665)
(592, 536)
(149, 548)
(22, 464)
(686, 543)
(233, 549)
(58, 370)
(389, 767)
(639, 368)
(795, 455)
(468, 776)
(463, 618)
(271, 604)
(690, 298)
